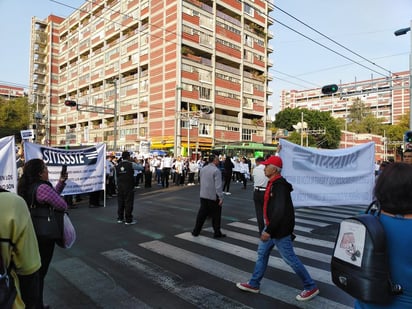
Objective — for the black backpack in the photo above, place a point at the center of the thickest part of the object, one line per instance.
(8, 290)
(360, 263)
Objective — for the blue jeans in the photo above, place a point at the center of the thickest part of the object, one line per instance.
(285, 249)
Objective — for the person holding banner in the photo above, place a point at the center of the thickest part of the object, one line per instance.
(279, 215)
(34, 187)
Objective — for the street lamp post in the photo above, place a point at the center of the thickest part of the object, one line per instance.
(114, 82)
(178, 129)
(402, 32)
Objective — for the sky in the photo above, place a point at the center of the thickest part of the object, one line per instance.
(364, 27)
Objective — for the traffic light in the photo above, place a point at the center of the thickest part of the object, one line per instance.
(407, 138)
(329, 89)
(70, 103)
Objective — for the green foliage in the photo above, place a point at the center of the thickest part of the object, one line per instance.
(15, 114)
(395, 132)
(316, 120)
(361, 119)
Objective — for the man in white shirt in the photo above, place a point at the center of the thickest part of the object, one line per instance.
(166, 167)
(259, 186)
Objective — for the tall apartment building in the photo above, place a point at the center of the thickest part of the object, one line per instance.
(387, 98)
(174, 72)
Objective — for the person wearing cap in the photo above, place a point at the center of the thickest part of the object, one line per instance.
(279, 220)
(211, 197)
(125, 188)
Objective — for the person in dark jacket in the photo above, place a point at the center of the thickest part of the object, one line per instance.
(279, 219)
(125, 187)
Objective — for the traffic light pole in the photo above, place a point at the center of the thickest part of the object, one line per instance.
(100, 110)
(402, 32)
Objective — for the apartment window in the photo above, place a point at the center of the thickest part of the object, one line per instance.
(204, 93)
(248, 88)
(247, 134)
(232, 129)
(144, 40)
(188, 30)
(204, 129)
(206, 22)
(187, 87)
(205, 39)
(188, 11)
(248, 40)
(205, 76)
(247, 103)
(144, 85)
(248, 55)
(248, 9)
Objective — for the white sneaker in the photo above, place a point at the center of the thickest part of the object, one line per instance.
(131, 223)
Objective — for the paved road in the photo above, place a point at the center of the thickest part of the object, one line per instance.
(157, 263)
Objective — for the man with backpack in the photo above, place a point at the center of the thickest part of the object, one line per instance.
(19, 254)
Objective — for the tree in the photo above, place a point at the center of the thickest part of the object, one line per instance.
(316, 120)
(395, 132)
(15, 115)
(361, 119)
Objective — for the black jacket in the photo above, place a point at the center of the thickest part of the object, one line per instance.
(280, 209)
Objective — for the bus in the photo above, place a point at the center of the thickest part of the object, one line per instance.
(248, 150)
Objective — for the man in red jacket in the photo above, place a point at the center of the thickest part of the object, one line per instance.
(279, 217)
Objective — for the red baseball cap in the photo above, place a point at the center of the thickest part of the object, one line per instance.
(274, 160)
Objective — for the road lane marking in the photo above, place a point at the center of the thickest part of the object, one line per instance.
(251, 255)
(199, 296)
(98, 286)
(268, 287)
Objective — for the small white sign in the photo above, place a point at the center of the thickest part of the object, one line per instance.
(27, 134)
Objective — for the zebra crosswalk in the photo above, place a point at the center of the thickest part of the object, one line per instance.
(238, 246)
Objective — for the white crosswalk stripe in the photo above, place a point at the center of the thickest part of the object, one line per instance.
(240, 242)
(306, 222)
(196, 295)
(92, 282)
(283, 292)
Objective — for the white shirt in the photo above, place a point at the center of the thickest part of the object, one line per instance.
(259, 177)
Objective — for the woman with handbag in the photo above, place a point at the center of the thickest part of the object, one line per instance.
(42, 198)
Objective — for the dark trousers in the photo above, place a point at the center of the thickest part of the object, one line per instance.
(191, 177)
(110, 185)
(228, 178)
(138, 179)
(94, 198)
(148, 179)
(165, 177)
(243, 179)
(258, 198)
(46, 249)
(208, 208)
(125, 200)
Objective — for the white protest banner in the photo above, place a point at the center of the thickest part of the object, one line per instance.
(8, 168)
(85, 166)
(327, 177)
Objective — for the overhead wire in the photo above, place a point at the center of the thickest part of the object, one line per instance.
(263, 13)
(332, 40)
